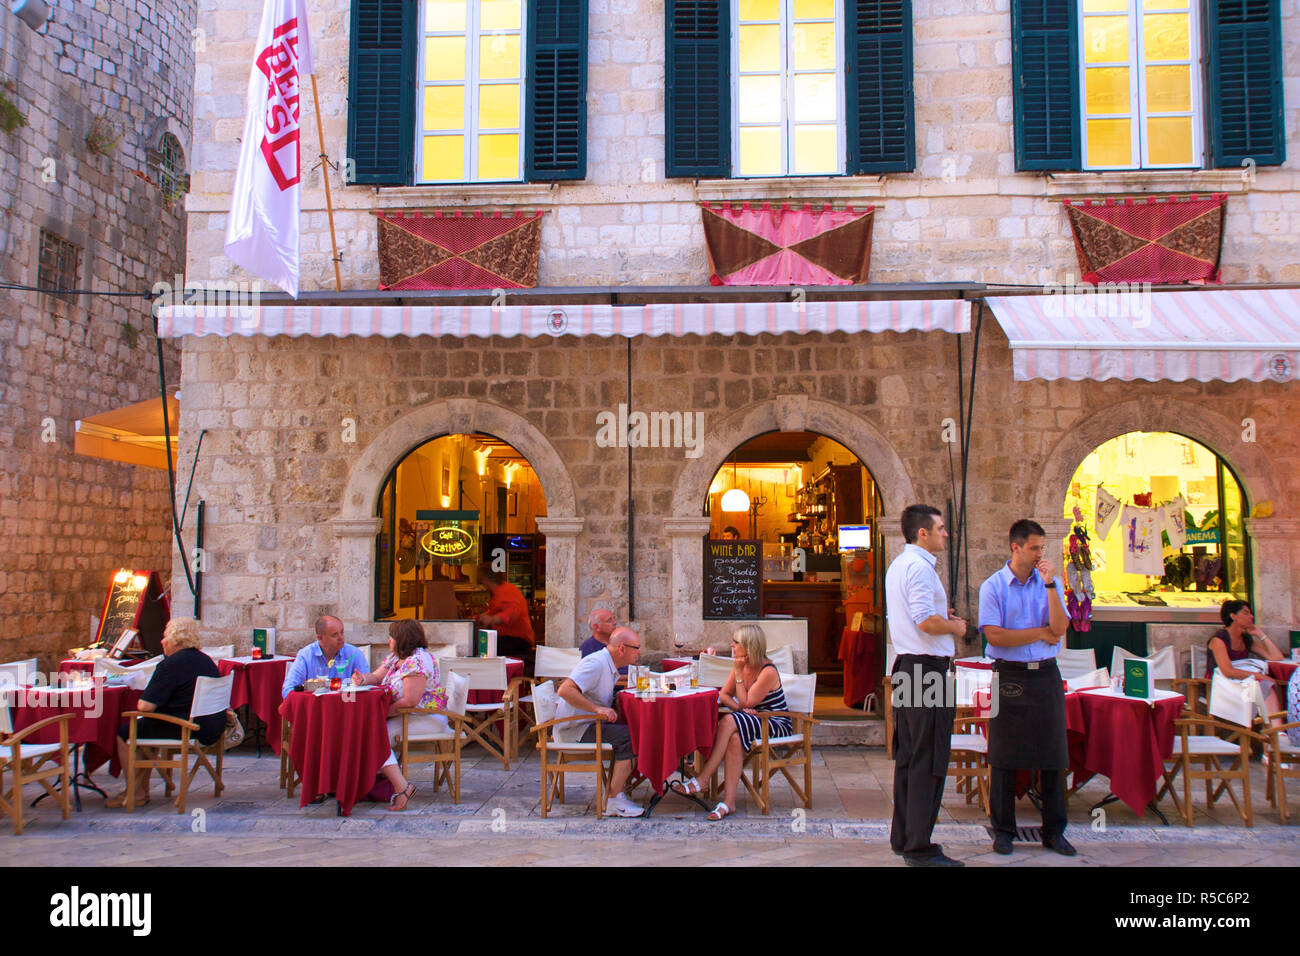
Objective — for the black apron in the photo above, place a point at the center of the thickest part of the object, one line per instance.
(1028, 732)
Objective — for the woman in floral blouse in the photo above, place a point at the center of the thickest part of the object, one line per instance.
(410, 672)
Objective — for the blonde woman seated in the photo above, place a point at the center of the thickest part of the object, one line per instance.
(410, 672)
(752, 687)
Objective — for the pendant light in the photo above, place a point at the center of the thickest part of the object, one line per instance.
(735, 500)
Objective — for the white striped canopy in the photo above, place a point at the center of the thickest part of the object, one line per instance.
(697, 318)
(1129, 333)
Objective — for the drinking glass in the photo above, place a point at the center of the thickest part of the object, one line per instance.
(695, 674)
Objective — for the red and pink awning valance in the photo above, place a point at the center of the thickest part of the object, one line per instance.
(459, 249)
(777, 244)
(1156, 239)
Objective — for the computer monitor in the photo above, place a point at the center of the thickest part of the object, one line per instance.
(855, 537)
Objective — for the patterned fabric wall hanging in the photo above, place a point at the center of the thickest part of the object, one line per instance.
(766, 245)
(458, 250)
(1162, 239)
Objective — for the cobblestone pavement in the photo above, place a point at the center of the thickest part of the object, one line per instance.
(498, 823)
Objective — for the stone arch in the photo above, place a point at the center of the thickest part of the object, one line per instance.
(357, 524)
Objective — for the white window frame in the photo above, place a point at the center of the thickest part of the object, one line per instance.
(787, 123)
(471, 130)
(1137, 64)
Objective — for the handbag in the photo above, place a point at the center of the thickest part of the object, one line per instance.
(234, 735)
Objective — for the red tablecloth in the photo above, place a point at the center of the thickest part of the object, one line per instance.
(338, 744)
(860, 653)
(1281, 671)
(97, 715)
(258, 684)
(71, 665)
(674, 663)
(1124, 739)
(668, 728)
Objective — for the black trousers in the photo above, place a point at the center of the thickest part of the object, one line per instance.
(508, 646)
(1002, 801)
(922, 746)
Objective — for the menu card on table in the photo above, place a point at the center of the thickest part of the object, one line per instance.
(1137, 678)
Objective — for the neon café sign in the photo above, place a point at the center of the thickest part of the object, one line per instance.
(447, 541)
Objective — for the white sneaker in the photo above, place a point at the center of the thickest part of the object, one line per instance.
(621, 805)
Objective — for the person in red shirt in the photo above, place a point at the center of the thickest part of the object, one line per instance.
(507, 614)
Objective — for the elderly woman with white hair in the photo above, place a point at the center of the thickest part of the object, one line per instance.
(171, 692)
(752, 687)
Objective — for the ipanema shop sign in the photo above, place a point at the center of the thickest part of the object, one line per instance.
(448, 542)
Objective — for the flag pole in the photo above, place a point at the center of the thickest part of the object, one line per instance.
(325, 175)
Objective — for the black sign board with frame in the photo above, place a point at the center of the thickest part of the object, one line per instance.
(733, 580)
(135, 601)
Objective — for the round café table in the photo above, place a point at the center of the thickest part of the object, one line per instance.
(258, 684)
(667, 728)
(338, 742)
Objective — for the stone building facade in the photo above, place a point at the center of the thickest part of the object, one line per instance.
(98, 89)
(292, 504)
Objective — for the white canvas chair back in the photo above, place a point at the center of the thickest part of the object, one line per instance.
(17, 673)
(1097, 678)
(783, 658)
(714, 671)
(1076, 661)
(679, 673)
(1161, 663)
(484, 673)
(890, 656)
(211, 695)
(557, 662)
(969, 681)
(220, 652)
(1235, 701)
(1198, 660)
(800, 692)
(545, 702)
(457, 688)
(6, 720)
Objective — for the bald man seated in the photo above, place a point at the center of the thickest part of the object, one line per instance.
(590, 690)
(327, 656)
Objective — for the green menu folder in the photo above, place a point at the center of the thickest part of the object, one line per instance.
(1137, 679)
(264, 637)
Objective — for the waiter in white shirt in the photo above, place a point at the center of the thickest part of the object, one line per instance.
(921, 628)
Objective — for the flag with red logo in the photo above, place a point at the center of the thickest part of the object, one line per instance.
(262, 235)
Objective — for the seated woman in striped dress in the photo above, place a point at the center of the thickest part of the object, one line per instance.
(752, 687)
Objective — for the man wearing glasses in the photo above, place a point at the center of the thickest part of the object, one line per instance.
(590, 690)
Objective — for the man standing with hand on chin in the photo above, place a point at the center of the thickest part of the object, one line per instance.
(1023, 617)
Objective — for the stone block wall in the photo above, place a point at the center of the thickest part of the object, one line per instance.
(124, 68)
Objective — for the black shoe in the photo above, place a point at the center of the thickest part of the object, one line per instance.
(1061, 845)
(1002, 844)
(935, 859)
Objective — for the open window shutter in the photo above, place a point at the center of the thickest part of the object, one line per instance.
(381, 90)
(881, 130)
(1244, 41)
(1045, 79)
(556, 142)
(697, 123)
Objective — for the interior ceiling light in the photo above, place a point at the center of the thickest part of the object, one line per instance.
(735, 500)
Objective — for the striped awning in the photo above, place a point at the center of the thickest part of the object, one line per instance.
(699, 318)
(1129, 334)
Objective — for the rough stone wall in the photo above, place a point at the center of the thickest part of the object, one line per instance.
(66, 521)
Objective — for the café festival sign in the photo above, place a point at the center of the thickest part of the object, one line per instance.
(448, 542)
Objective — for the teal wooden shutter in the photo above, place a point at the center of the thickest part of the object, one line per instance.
(381, 90)
(555, 144)
(1244, 41)
(1045, 83)
(881, 129)
(697, 121)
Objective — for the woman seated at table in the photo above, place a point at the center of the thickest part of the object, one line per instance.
(410, 672)
(1237, 640)
(752, 687)
(171, 692)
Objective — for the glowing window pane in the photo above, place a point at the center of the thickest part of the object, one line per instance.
(814, 97)
(1110, 143)
(814, 9)
(444, 58)
(1169, 89)
(498, 156)
(815, 150)
(760, 48)
(444, 157)
(760, 151)
(759, 10)
(1169, 141)
(1105, 6)
(1105, 39)
(1165, 36)
(498, 57)
(444, 15)
(499, 15)
(814, 46)
(1164, 5)
(760, 99)
(498, 106)
(444, 107)
(1106, 90)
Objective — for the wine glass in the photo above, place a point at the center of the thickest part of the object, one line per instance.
(679, 641)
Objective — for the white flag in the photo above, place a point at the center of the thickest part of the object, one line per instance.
(262, 235)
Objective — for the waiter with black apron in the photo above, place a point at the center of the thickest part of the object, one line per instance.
(1024, 624)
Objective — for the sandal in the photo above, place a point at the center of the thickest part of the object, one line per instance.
(405, 796)
(721, 811)
(118, 801)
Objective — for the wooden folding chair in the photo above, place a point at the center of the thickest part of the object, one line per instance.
(211, 696)
(488, 674)
(968, 763)
(289, 775)
(562, 757)
(769, 754)
(1279, 749)
(442, 749)
(25, 762)
(551, 663)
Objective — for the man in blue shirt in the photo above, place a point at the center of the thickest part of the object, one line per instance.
(1023, 625)
(327, 656)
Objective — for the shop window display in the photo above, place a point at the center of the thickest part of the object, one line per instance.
(1164, 517)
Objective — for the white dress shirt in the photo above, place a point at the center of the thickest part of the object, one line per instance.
(913, 592)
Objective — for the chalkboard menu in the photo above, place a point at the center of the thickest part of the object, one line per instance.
(135, 600)
(733, 579)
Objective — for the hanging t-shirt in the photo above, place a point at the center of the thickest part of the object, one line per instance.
(1107, 512)
(1142, 551)
(1173, 521)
